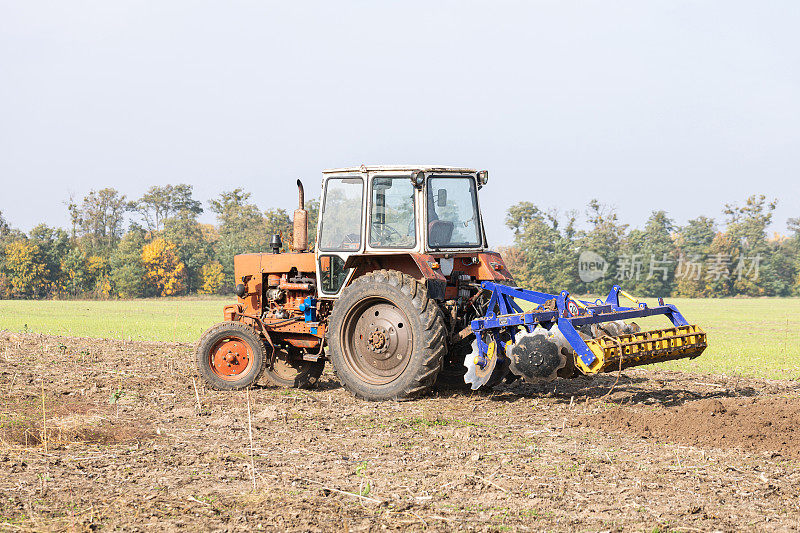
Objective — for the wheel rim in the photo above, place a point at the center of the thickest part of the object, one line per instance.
(286, 368)
(377, 341)
(230, 358)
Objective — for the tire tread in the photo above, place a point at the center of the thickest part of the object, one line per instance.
(432, 336)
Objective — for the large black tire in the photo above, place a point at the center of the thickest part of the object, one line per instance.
(386, 337)
(291, 371)
(230, 356)
(453, 369)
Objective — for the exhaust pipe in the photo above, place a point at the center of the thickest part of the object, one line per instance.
(300, 234)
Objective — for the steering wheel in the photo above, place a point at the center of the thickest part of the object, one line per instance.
(351, 241)
(389, 234)
(392, 231)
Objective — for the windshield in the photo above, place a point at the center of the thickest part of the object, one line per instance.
(392, 213)
(341, 215)
(452, 213)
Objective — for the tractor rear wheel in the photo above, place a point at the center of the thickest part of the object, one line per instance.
(453, 369)
(230, 356)
(387, 337)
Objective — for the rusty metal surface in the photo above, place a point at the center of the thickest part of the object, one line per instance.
(286, 286)
(269, 263)
(378, 340)
(491, 267)
(483, 266)
(230, 358)
(299, 342)
(229, 312)
(300, 229)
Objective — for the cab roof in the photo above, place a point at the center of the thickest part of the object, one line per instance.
(398, 168)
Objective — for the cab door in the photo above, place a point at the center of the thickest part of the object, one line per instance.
(340, 231)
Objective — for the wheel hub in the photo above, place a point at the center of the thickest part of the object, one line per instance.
(378, 340)
(380, 345)
(230, 357)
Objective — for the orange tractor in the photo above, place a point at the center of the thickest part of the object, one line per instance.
(401, 290)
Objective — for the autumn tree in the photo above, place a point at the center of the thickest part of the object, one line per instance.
(753, 271)
(547, 261)
(651, 251)
(606, 237)
(99, 220)
(693, 244)
(193, 250)
(241, 229)
(7, 236)
(212, 278)
(164, 271)
(54, 244)
(160, 203)
(26, 269)
(76, 277)
(127, 268)
(5, 229)
(791, 251)
(514, 258)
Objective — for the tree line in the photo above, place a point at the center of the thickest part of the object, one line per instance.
(155, 246)
(703, 258)
(150, 246)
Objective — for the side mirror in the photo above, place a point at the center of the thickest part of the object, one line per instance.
(441, 198)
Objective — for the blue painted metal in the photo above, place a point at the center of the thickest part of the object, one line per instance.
(511, 316)
(309, 309)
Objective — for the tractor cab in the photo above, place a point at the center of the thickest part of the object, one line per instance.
(395, 211)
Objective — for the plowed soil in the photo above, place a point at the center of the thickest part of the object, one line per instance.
(112, 434)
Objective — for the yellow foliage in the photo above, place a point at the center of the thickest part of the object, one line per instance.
(27, 271)
(211, 278)
(103, 287)
(96, 265)
(5, 287)
(164, 271)
(209, 232)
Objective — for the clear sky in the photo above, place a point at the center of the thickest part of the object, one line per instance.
(676, 105)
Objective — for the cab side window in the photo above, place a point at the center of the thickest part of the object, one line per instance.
(332, 273)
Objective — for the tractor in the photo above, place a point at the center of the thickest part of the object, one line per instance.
(401, 290)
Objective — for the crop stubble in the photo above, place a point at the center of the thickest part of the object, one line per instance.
(127, 446)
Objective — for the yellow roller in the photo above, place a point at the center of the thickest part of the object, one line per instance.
(643, 348)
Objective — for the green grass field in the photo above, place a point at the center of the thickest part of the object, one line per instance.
(162, 319)
(752, 337)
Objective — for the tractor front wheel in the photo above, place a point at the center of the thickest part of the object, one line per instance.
(387, 337)
(230, 356)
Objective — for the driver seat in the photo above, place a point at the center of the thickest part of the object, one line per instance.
(440, 232)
